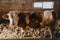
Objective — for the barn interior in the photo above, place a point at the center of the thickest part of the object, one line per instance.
(31, 23)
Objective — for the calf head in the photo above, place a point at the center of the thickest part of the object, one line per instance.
(12, 17)
(47, 17)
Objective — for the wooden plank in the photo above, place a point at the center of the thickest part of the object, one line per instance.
(11, 7)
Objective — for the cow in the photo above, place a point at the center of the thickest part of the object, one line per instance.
(35, 19)
(47, 17)
(12, 16)
(22, 20)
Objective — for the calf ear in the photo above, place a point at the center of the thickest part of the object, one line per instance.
(5, 17)
(52, 10)
(42, 14)
(18, 12)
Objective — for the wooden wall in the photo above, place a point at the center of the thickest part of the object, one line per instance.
(16, 5)
(57, 8)
(25, 5)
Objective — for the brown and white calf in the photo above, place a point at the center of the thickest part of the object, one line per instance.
(12, 16)
(47, 17)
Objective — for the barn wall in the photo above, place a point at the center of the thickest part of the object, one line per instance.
(23, 5)
(16, 5)
(57, 8)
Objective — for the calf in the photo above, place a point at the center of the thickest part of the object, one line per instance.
(22, 21)
(47, 17)
(12, 16)
(35, 20)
